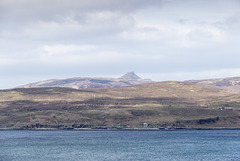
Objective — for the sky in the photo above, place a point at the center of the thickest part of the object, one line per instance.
(157, 39)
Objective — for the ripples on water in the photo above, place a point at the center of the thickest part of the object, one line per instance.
(119, 145)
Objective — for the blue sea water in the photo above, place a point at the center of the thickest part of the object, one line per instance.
(119, 145)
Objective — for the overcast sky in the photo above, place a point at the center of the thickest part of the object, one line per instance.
(158, 39)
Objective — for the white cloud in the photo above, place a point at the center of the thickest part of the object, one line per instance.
(66, 49)
(102, 16)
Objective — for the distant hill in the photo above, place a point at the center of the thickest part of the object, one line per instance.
(128, 79)
(130, 76)
(231, 84)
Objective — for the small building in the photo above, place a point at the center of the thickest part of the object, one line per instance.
(145, 124)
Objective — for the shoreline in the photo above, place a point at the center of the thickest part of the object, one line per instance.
(120, 129)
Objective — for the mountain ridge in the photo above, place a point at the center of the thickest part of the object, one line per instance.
(231, 84)
(129, 79)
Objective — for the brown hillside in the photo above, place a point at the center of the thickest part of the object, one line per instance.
(160, 105)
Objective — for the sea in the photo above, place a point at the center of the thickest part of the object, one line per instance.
(209, 145)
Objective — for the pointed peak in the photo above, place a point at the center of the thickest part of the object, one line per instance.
(130, 76)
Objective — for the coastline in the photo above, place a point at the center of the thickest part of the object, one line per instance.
(119, 129)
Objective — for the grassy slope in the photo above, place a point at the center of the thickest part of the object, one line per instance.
(163, 104)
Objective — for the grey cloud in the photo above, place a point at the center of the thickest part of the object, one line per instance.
(27, 19)
(145, 36)
(51, 9)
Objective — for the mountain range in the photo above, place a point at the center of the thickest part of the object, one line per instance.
(129, 79)
(231, 84)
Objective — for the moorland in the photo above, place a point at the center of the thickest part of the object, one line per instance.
(156, 105)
